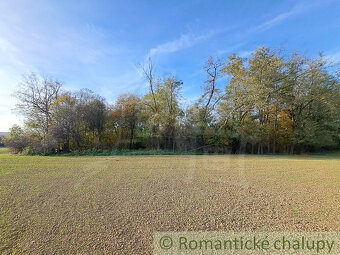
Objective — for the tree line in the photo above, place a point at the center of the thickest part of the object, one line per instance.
(273, 102)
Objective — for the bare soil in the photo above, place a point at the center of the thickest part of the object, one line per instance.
(112, 205)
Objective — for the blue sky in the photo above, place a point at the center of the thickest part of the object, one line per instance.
(98, 44)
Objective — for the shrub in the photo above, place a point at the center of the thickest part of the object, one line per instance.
(17, 140)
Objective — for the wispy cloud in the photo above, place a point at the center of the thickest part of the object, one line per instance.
(8, 53)
(296, 9)
(279, 18)
(183, 42)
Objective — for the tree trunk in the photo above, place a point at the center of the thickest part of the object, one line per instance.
(131, 138)
(275, 127)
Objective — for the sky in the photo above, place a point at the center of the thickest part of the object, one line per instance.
(99, 44)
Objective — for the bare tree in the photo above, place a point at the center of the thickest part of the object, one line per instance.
(37, 98)
(212, 68)
(148, 71)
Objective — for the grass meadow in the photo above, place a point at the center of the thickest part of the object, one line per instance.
(113, 204)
